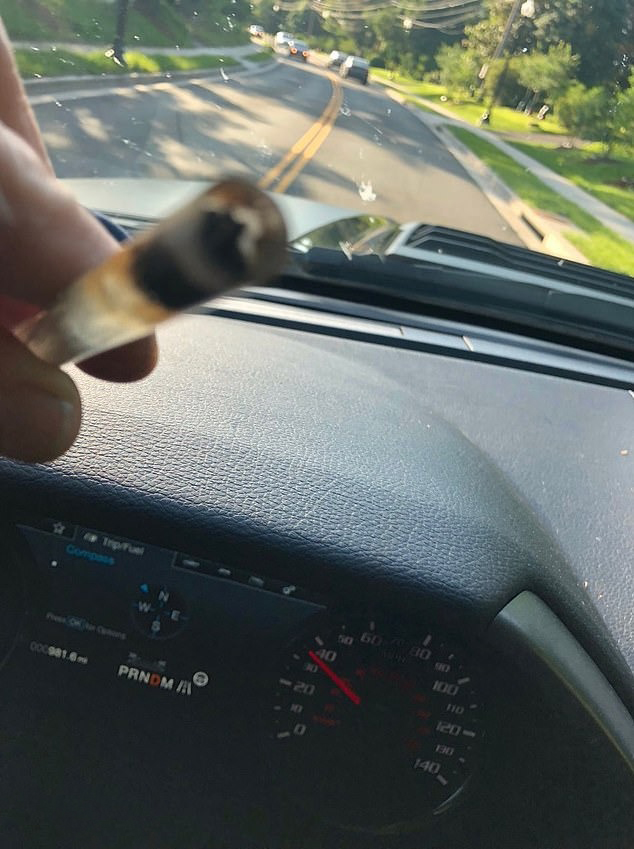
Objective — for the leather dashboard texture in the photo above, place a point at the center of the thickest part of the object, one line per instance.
(450, 483)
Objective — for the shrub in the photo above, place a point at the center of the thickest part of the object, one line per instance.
(587, 113)
(458, 68)
(502, 80)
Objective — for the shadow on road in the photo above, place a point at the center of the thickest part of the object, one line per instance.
(378, 157)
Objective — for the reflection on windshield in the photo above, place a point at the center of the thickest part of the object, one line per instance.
(509, 119)
(359, 235)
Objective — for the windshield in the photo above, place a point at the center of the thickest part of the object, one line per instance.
(508, 119)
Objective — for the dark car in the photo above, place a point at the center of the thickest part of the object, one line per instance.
(298, 50)
(355, 66)
(336, 59)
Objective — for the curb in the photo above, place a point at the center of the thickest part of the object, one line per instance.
(136, 77)
(532, 227)
(127, 84)
(606, 215)
(609, 217)
(528, 225)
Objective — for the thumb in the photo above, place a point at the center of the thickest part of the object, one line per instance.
(40, 410)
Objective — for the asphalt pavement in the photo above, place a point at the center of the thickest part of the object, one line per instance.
(339, 142)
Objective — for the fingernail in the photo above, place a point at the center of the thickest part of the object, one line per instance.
(36, 426)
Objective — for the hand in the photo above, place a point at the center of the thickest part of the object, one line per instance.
(46, 241)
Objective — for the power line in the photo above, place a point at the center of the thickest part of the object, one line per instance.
(355, 7)
(435, 5)
(448, 16)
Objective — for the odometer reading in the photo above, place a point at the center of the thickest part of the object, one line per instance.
(374, 729)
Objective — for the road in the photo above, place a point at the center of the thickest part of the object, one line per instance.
(297, 128)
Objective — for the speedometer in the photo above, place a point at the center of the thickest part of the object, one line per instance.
(375, 729)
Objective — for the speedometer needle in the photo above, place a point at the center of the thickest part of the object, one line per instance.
(345, 689)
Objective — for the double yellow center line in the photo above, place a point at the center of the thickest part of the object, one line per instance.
(305, 147)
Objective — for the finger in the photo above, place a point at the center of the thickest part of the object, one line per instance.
(46, 238)
(46, 241)
(124, 364)
(12, 312)
(40, 410)
(15, 110)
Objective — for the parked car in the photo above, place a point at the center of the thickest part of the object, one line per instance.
(336, 59)
(282, 38)
(355, 66)
(256, 30)
(298, 50)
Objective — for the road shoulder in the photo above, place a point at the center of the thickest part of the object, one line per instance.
(537, 231)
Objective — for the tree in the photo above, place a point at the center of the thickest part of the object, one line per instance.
(388, 35)
(625, 117)
(593, 28)
(502, 82)
(267, 16)
(458, 68)
(623, 111)
(547, 73)
(599, 32)
(484, 36)
(590, 114)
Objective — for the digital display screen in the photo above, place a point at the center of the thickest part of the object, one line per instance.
(137, 674)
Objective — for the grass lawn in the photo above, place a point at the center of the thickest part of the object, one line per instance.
(54, 63)
(503, 120)
(260, 56)
(414, 87)
(415, 102)
(155, 24)
(595, 177)
(601, 246)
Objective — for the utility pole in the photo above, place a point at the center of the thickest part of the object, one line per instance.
(116, 52)
(311, 21)
(527, 9)
(515, 10)
(313, 16)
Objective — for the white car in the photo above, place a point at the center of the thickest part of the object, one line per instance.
(282, 38)
(336, 58)
(256, 30)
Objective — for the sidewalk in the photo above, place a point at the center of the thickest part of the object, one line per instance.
(612, 219)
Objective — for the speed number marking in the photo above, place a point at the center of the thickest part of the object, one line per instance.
(411, 705)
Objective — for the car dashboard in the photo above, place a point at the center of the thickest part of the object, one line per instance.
(302, 589)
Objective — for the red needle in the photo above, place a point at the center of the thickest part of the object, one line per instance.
(348, 691)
